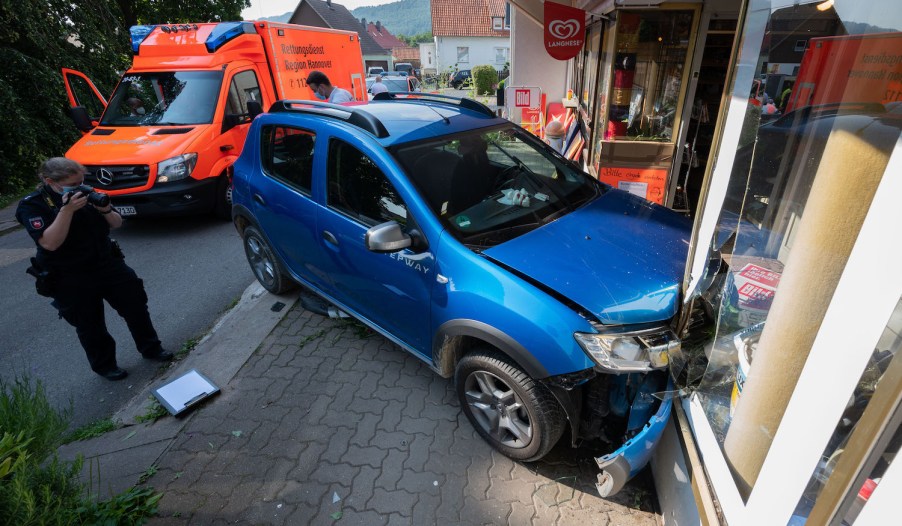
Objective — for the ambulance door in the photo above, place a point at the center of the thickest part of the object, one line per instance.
(242, 87)
(82, 93)
(358, 87)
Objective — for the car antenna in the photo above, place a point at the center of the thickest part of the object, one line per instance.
(444, 118)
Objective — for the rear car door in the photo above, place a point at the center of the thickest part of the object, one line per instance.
(390, 290)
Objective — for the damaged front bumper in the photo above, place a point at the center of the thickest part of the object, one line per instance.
(623, 464)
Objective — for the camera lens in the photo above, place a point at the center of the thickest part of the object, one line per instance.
(98, 199)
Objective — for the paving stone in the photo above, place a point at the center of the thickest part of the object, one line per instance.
(424, 511)
(342, 473)
(421, 482)
(366, 429)
(392, 440)
(489, 511)
(362, 488)
(338, 444)
(352, 517)
(392, 469)
(418, 452)
(386, 502)
(391, 416)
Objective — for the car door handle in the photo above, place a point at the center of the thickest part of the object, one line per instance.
(330, 237)
(259, 198)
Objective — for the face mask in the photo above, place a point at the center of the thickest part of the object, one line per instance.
(319, 95)
(140, 111)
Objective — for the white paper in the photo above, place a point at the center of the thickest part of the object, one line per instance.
(185, 389)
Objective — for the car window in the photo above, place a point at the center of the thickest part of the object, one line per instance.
(490, 186)
(244, 87)
(359, 189)
(288, 156)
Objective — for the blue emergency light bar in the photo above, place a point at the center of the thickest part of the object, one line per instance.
(226, 31)
(138, 34)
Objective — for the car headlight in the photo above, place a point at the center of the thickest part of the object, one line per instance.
(628, 352)
(176, 168)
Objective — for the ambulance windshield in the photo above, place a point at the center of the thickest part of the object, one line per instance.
(164, 99)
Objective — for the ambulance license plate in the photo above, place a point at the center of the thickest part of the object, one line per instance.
(125, 210)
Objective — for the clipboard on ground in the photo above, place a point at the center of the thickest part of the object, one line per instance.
(184, 392)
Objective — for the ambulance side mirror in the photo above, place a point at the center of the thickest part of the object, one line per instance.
(80, 117)
(254, 108)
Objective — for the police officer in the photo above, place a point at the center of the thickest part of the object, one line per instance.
(81, 266)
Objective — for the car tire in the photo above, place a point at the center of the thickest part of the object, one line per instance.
(264, 263)
(222, 208)
(512, 412)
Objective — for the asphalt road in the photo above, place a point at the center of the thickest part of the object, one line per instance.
(193, 269)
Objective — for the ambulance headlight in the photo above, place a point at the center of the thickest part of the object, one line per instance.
(176, 168)
(629, 352)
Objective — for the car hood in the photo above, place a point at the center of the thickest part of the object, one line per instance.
(619, 257)
(128, 145)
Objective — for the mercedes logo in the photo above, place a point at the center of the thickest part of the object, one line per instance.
(104, 177)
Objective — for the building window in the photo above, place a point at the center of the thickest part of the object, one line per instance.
(502, 55)
(800, 45)
(463, 54)
(507, 16)
(497, 23)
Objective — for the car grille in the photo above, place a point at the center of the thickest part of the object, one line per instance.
(122, 176)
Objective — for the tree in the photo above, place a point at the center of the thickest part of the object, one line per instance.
(39, 37)
(157, 12)
(413, 40)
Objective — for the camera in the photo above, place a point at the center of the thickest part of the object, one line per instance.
(94, 198)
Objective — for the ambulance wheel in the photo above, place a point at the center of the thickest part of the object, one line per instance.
(223, 207)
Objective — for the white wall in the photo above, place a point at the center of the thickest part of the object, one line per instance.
(482, 51)
(531, 65)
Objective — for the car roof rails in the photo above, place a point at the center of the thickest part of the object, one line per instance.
(462, 102)
(350, 114)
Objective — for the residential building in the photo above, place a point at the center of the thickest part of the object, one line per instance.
(326, 13)
(400, 51)
(471, 33)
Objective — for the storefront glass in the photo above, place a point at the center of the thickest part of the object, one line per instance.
(593, 44)
(651, 51)
(822, 116)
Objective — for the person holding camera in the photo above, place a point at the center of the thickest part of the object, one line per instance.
(79, 266)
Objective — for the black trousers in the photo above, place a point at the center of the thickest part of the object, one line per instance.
(79, 299)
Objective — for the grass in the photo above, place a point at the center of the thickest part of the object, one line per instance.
(187, 347)
(311, 337)
(8, 199)
(38, 488)
(149, 472)
(154, 412)
(91, 430)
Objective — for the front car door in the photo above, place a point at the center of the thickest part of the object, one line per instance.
(390, 290)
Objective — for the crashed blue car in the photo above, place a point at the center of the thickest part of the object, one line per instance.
(548, 296)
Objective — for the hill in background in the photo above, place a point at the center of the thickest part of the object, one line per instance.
(407, 17)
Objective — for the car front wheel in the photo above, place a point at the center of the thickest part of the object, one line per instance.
(264, 263)
(517, 416)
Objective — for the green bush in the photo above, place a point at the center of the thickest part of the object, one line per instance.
(35, 486)
(484, 79)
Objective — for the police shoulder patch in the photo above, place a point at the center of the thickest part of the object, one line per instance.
(37, 223)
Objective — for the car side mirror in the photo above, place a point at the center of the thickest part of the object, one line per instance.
(387, 237)
(79, 116)
(231, 120)
(254, 108)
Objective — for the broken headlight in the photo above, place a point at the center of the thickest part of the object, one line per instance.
(629, 352)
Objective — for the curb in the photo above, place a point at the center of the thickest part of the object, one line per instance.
(128, 452)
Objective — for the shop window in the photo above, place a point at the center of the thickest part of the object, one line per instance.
(787, 224)
(651, 52)
(590, 71)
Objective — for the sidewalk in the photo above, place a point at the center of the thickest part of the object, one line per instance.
(321, 421)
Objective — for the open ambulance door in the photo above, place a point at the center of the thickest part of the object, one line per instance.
(86, 102)
(358, 86)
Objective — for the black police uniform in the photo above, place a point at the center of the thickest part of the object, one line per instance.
(84, 271)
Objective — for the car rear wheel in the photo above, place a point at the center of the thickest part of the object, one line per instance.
(517, 416)
(264, 263)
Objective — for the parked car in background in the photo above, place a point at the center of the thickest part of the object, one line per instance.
(406, 67)
(395, 84)
(548, 296)
(375, 70)
(459, 78)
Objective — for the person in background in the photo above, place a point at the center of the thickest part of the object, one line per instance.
(136, 108)
(784, 97)
(324, 90)
(79, 266)
(378, 87)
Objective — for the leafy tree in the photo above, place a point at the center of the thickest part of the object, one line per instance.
(39, 37)
(413, 40)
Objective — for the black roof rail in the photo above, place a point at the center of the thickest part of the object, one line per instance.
(350, 114)
(463, 102)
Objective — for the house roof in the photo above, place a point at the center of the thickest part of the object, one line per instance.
(337, 16)
(406, 53)
(466, 18)
(382, 36)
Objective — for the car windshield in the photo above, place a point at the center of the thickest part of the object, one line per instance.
(164, 99)
(491, 186)
(392, 84)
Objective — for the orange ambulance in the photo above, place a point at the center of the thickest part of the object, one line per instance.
(165, 142)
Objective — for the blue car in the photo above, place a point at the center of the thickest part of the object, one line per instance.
(547, 296)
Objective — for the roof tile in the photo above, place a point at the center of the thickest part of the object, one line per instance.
(466, 18)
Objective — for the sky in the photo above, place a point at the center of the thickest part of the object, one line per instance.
(261, 8)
